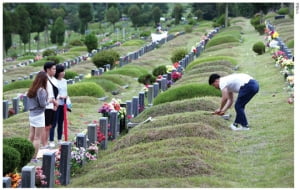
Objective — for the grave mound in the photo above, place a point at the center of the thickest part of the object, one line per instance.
(188, 105)
(172, 131)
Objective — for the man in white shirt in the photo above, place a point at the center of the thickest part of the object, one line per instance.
(52, 90)
(245, 86)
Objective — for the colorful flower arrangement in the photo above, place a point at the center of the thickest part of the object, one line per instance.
(15, 179)
(176, 75)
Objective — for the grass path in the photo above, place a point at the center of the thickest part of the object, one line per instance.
(263, 156)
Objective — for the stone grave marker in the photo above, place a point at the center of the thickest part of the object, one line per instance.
(155, 89)
(48, 168)
(164, 86)
(5, 109)
(123, 120)
(28, 177)
(113, 124)
(81, 140)
(25, 103)
(150, 95)
(141, 101)
(135, 106)
(92, 134)
(16, 105)
(65, 163)
(129, 108)
(104, 130)
(6, 182)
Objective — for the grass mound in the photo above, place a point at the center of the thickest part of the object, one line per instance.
(182, 106)
(204, 117)
(186, 92)
(129, 70)
(156, 134)
(171, 159)
(208, 60)
(118, 79)
(17, 85)
(211, 68)
(134, 43)
(86, 89)
(107, 85)
(228, 35)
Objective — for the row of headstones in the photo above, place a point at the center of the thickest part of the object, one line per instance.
(147, 48)
(281, 44)
(48, 162)
(66, 64)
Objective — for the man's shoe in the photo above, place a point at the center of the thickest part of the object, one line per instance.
(52, 144)
(234, 127)
(245, 128)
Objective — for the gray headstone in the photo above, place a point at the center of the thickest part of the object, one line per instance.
(101, 70)
(81, 140)
(141, 101)
(28, 177)
(25, 77)
(31, 76)
(92, 134)
(169, 76)
(135, 105)
(155, 89)
(164, 86)
(150, 95)
(6, 182)
(76, 79)
(103, 128)
(48, 168)
(16, 105)
(129, 108)
(5, 109)
(81, 76)
(113, 123)
(93, 72)
(6, 82)
(25, 103)
(159, 83)
(65, 163)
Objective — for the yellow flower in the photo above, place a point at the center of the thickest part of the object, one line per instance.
(275, 35)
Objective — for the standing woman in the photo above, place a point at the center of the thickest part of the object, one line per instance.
(37, 100)
(62, 96)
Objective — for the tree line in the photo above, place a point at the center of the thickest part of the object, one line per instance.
(27, 18)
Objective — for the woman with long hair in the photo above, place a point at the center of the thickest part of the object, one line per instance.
(37, 100)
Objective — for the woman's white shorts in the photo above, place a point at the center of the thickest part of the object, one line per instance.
(38, 120)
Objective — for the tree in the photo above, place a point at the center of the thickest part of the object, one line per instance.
(198, 14)
(177, 13)
(39, 15)
(85, 15)
(59, 28)
(58, 12)
(7, 31)
(156, 14)
(24, 26)
(134, 12)
(73, 22)
(113, 15)
(91, 42)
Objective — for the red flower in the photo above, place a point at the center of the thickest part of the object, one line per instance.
(176, 65)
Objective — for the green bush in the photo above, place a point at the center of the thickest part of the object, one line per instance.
(23, 146)
(76, 42)
(11, 159)
(145, 34)
(49, 52)
(192, 22)
(146, 79)
(160, 70)
(91, 42)
(255, 20)
(283, 11)
(86, 89)
(78, 49)
(188, 28)
(17, 85)
(54, 59)
(259, 48)
(260, 28)
(70, 74)
(220, 21)
(178, 54)
(221, 40)
(133, 43)
(186, 92)
(106, 57)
